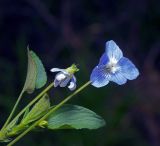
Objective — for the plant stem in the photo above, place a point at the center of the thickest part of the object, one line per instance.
(50, 112)
(13, 110)
(33, 101)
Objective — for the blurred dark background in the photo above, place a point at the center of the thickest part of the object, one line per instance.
(63, 32)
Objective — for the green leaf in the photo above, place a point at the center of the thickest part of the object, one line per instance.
(38, 110)
(30, 82)
(75, 117)
(36, 75)
(41, 74)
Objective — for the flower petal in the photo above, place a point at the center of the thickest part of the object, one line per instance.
(56, 69)
(72, 86)
(118, 78)
(103, 60)
(56, 83)
(59, 70)
(128, 69)
(60, 76)
(74, 79)
(99, 77)
(113, 51)
(65, 81)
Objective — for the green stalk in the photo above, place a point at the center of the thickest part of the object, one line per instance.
(50, 112)
(13, 110)
(32, 102)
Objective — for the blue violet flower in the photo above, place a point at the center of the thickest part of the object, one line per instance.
(65, 77)
(113, 67)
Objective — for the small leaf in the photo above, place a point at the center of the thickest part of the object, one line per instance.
(41, 78)
(38, 110)
(75, 117)
(36, 75)
(30, 82)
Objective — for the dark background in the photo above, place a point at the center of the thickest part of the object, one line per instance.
(63, 32)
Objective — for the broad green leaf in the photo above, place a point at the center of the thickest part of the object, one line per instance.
(38, 110)
(36, 75)
(75, 117)
(30, 82)
(41, 77)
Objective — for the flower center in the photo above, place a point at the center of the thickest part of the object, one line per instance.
(112, 66)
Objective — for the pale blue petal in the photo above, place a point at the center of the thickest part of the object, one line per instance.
(56, 70)
(128, 69)
(99, 77)
(72, 85)
(59, 70)
(113, 51)
(118, 78)
(103, 60)
(56, 83)
(74, 79)
(65, 81)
